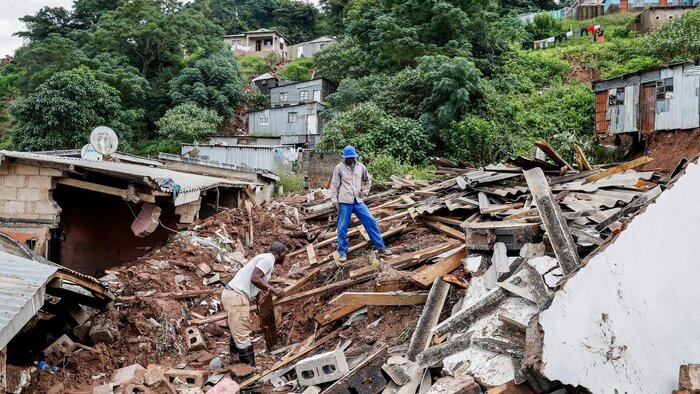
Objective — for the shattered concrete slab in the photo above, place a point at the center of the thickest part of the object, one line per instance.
(626, 319)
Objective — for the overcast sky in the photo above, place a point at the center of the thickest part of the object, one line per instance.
(11, 10)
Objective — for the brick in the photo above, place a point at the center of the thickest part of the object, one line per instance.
(225, 386)
(8, 194)
(31, 195)
(132, 373)
(18, 181)
(21, 169)
(195, 341)
(50, 172)
(189, 377)
(203, 270)
(322, 368)
(39, 182)
(13, 207)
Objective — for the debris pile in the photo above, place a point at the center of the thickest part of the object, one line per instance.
(478, 254)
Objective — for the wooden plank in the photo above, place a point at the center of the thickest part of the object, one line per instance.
(447, 230)
(286, 360)
(114, 191)
(426, 277)
(408, 259)
(445, 219)
(581, 161)
(311, 252)
(323, 289)
(363, 232)
(501, 208)
(620, 168)
(360, 245)
(553, 154)
(388, 298)
(336, 313)
(266, 311)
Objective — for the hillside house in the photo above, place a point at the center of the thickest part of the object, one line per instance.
(293, 112)
(653, 17)
(263, 83)
(259, 43)
(615, 6)
(660, 99)
(307, 49)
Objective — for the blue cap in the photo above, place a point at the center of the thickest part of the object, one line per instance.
(349, 152)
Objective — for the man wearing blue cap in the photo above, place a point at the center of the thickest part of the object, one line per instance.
(350, 184)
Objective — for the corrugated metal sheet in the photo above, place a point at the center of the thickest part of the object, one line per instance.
(650, 76)
(133, 172)
(669, 114)
(278, 121)
(269, 158)
(22, 284)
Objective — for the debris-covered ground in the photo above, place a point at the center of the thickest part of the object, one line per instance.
(483, 249)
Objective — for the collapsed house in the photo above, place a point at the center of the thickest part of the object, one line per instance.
(91, 215)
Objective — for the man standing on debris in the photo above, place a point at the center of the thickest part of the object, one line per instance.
(350, 184)
(241, 291)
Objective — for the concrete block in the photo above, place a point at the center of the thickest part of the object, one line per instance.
(8, 194)
(21, 169)
(322, 368)
(135, 388)
(133, 373)
(689, 378)
(39, 182)
(50, 172)
(103, 332)
(104, 389)
(13, 207)
(18, 181)
(45, 208)
(195, 341)
(455, 385)
(225, 386)
(61, 347)
(312, 390)
(155, 379)
(190, 378)
(31, 195)
(74, 311)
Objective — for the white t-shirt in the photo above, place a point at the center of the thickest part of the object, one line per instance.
(241, 282)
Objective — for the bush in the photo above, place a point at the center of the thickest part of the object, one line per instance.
(252, 66)
(478, 141)
(188, 123)
(544, 26)
(291, 184)
(298, 69)
(257, 101)
(382, 167)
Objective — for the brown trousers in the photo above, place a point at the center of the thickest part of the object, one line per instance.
(237, 308)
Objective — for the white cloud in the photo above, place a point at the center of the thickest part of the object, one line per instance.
(11, 11)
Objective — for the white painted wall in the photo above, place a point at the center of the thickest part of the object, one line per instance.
(630, 318)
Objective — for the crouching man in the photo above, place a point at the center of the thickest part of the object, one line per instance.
(241, 291)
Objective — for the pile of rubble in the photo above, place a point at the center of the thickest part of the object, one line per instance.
(479, 253)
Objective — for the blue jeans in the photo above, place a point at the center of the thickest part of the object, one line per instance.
(367, 220)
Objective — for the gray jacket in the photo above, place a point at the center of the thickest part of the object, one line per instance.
(348, 185)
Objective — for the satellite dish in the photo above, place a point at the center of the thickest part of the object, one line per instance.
(89, 153)
(104, 140)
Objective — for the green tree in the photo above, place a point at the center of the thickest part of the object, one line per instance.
(156, 33)
(544, 26)
(62, 112)
(298, 69)
(47, 21)
(86, 13)
(341, 59)
(677, 39)
(214, 82)
(41, 59)
(453, 88)
(188, 123)
(296, 19)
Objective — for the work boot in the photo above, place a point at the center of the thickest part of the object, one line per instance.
(247, 356)
(233, 350)
(386, 252)
(343, 258)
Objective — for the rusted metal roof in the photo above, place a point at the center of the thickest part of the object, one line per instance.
(22, 289)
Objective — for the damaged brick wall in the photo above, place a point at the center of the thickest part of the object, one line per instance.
(26, 201)
(318, 167)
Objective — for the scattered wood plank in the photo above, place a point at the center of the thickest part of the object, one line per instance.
(311, 252)
(553, 154)
(426, 277)
(445, 219)
(266, 311)
(115, 191)
(363, 232)
(501, 208)
(388, 298)
(336, 313)
(323, 289)
(581, 161)
(445, 229)
(408, 259)
(620, 168)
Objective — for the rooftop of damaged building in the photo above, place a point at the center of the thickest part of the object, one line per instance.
(482, 255)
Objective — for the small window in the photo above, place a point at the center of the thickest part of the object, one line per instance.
(292, 117)
(658, 17)
(664, 89)
(263, 120)
(322, 45)
(616, 97)
(283, 96)
(268, 42)
(303, 95)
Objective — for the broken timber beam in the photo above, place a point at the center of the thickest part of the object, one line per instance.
(450, 263)
(468, 315)
(581, 161)
(420, 340)
(553, 220)
(323, 289)
(445, 229)
(408, 259)
(388, 298)
(553, 154)
(266, 310)
(114, 191)
(620, 168)
(336, 313)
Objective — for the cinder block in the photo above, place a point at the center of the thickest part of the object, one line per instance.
(18, 181)
(8, 194)
(135, 388)
(132, 373)
(195, 341)
(46, 208)
(31, 195)
(103, 332)
(62, 346)
(21, 169)
(189, 377)
(50, 172)
(13, 207)
(322, 368)
(155, 379)
(39, 182)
